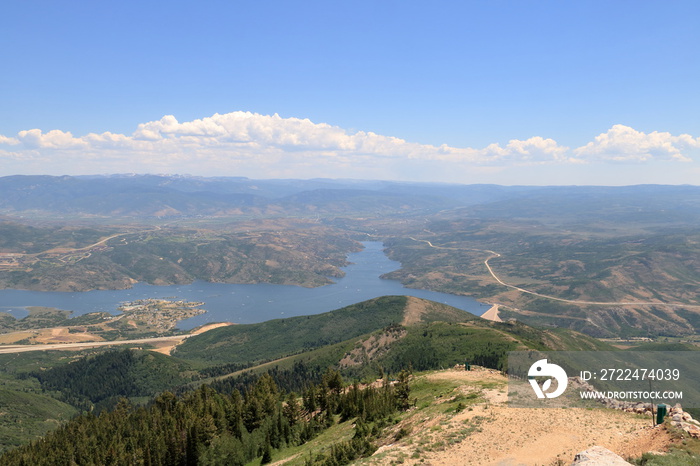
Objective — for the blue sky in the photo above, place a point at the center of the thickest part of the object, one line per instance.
(509, 92)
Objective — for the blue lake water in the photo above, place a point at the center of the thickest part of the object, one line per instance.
(247, 304)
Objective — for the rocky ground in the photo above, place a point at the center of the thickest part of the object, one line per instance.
(491, 433)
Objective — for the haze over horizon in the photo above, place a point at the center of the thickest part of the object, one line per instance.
(525, 93)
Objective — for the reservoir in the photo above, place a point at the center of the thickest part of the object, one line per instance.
(246, 304)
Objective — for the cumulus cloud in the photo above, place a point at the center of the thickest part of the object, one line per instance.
(533, 150)
(8, 141)
(54, 139)
(624, 144)
(250, 144)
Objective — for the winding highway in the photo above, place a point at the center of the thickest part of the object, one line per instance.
(494, 255)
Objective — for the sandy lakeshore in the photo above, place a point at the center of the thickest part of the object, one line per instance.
(492, 314)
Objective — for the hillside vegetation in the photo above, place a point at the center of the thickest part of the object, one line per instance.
(99, 381)
(272, 411)
(282, 337)
(26, 415)
(382, 336)
(61, 259)
(435, 417)
(637, 255)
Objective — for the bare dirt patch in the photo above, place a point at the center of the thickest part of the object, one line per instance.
(544, 436)
(371, 348)
(415, 308)
(491, 433)
(206, 328)
(478, 374)
(167, 347)
(63, 335)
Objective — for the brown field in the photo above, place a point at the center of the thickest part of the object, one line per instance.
(63, 335)
(9, 338)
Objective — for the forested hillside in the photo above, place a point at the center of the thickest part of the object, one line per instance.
(97, 382)
(380, 337)
(281, 337)
(208, 427)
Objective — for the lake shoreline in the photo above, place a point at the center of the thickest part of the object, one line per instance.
(249, 303)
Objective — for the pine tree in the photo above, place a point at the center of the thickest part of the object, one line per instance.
(291, 409)
(267, 454)
(403, 390)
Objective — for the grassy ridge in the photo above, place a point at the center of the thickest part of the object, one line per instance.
(440, 337)
(99, 381)
(385, 334)
(437, 345)
(280, 337)
(41, 390)
(25, 416)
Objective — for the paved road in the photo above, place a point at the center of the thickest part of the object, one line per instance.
(68, 251)
(494, 254)
(9, 349)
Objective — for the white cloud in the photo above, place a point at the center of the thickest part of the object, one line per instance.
(8, 141)
(54, 139)
(624, 144)
(294, 135)
(250, 144)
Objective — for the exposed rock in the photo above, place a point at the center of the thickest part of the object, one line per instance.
(684, 421)
(599, 456)
(691, 429)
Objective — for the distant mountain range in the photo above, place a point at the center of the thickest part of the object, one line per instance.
(187, 196)
(168, 196)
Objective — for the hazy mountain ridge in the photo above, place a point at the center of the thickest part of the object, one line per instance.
(154, 195)
(173, 196)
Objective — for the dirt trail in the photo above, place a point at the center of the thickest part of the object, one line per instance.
(505, 436)
(517, 436)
